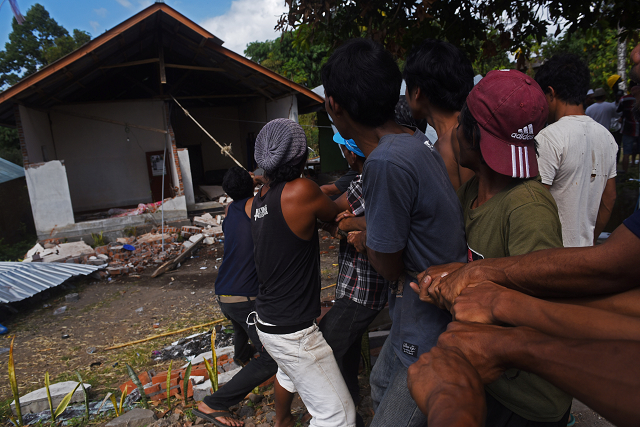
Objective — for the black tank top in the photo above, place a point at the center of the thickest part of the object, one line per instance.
(288, 266)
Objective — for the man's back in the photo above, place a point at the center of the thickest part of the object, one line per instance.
(602, 112)
(411, 206)
(576, 158)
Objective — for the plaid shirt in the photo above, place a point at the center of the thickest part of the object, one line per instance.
(357, 279)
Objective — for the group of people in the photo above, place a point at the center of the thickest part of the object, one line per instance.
(481, 243)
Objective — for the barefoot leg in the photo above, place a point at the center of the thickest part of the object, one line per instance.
(283, 406)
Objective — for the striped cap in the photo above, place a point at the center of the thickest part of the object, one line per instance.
(510, 109)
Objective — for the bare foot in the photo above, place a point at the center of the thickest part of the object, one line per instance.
(229, 421)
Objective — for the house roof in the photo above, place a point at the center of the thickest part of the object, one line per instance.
(155, 54)
(9, 171)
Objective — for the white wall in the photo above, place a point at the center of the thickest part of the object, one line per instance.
(185, 168)
(286, 107)
(106, 165)
(37, 135)
(49, 196)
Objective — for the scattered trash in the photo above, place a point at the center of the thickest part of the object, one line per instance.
(91, 350)
(65, 336)
(60, 310)
(193, 293)
(128, 248)
(46, 306)
(115, 365)
(192, 345)
(140, 310)
(156, 325)
(4, 350)
(203, 268)
(95, 364)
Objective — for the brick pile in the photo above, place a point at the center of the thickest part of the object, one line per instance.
(155, 385)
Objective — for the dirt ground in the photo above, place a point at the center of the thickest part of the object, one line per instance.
(106, 315)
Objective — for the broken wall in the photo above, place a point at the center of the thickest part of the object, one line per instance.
(286, 107)
(37, 135)
(106, 162)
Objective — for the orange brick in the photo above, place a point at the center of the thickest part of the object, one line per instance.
(152, 389)
(175, 382)
(162, 378)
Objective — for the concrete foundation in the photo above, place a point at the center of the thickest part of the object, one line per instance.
(37, 401)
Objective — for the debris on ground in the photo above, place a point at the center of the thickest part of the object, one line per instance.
(193, 345)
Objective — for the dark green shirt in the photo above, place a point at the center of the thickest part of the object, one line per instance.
(520, 219)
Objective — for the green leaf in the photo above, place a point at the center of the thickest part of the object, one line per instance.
(115, 405)
(122, 396)
(47, 385)
(65, 402)
(86, 396)
(14, 384)
(213, 375)
(136, 381)
(169, 384)
(185, 383)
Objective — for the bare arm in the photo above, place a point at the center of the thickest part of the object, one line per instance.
(604, 374)
(626, 303)
(447, 389)
(606, 207)
(342, 202)
(564, 272)
(330, 189)
(493, 304)
(354, 223)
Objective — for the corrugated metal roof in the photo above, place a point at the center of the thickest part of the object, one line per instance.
(9, 171)
(20, 280)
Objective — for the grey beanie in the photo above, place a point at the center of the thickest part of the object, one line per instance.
(280, 142)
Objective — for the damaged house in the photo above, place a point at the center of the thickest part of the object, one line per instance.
(104, 140)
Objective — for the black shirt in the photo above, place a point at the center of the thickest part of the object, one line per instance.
(288, 266)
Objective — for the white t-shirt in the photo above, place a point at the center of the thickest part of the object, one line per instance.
(603, 113)
(576, 157)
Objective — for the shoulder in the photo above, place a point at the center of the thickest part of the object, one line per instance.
(301, 187)
(530, 192)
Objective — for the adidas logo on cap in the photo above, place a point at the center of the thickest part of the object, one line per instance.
(524, 133)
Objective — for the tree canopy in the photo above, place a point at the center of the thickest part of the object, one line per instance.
(292, 57)
(400, 24)
(34, 44)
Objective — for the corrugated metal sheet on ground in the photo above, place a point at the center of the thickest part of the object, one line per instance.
(20, 280)
(9, 171)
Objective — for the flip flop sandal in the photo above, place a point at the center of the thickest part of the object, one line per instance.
(212, 417)
(572, 420)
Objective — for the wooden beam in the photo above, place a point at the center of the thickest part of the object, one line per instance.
(163, 73)
(131, 64)
(102, 119)
(194, 67)
(241, 95)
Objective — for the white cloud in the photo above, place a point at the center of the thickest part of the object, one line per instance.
(94, 25)
(125, 3)
(144, 3)
(245, 22)
(102, 12)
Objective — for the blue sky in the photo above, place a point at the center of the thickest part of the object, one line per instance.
(237, 22)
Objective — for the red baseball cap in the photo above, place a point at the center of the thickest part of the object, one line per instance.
(510, 109)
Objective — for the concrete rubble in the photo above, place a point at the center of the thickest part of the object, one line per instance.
(37, 401)
(131, 254)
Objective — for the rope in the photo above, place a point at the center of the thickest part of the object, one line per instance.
(225, 150)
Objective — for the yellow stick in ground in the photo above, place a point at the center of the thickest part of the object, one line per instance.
(165, 335)
(327, 287)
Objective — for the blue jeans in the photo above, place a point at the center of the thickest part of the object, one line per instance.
(392, 401)
(257, 370)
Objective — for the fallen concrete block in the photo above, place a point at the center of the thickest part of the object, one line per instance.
(134, 418)
(72, 297)
(36, 401)
(219, 353)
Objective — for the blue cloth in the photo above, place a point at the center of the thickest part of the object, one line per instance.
(237, 275)
(633, 223)
(349, 143)
(411, 206)
(3, 329)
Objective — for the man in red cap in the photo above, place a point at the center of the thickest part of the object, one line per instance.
(507, 212)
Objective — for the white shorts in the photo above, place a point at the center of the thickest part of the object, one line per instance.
(306, 365)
